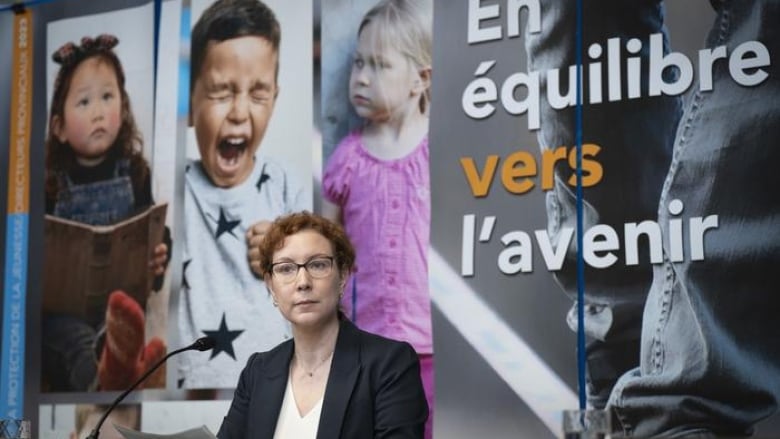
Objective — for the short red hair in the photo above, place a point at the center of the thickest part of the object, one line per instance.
(284, 226)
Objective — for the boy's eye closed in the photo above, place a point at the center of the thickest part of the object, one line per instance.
(220, 95)
(260, 96)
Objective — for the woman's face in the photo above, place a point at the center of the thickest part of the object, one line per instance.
(309, 296)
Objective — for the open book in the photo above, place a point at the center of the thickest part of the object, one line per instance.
(84, 263)
(195, 433)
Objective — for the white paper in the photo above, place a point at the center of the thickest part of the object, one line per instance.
(196, 433)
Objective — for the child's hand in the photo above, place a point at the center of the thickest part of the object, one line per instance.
(254, 236)
(159, 259)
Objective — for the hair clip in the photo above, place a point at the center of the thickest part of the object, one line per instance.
(70, 53)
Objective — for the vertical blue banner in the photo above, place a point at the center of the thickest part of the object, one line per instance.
(17, 224)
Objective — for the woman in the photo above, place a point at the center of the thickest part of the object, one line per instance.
(331, 380)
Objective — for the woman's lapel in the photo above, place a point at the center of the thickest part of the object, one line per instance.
(341, 382)
(272, 385)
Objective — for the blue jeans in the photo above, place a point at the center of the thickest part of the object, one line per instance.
(690, 347)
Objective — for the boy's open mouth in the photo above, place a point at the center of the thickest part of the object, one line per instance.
(230, 151)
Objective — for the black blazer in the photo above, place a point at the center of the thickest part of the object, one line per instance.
(374, 391)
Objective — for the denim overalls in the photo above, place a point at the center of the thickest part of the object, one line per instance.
(99, 203)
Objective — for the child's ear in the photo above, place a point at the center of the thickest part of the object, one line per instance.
(56, 128)
(423, 80)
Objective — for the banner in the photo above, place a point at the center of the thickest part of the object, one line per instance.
(655, 115)
(248, 162)
(17, 221)
(447, 137)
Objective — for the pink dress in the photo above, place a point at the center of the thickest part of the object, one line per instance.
(386, 209)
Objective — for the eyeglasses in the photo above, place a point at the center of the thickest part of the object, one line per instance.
(318, 267)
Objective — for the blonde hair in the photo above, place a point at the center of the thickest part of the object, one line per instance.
(406, 26)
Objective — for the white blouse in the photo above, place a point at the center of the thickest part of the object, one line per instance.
(291, 425)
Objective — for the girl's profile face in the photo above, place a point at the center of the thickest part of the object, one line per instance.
(383, 81)
(92, 114)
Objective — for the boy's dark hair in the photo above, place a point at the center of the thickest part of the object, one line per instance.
(228, 19)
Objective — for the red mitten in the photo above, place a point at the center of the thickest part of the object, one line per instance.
(124, 358)
(153, 352)
(117, 368)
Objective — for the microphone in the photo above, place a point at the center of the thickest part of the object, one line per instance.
(201, 344)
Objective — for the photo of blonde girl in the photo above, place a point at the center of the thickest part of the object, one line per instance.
(377, 183)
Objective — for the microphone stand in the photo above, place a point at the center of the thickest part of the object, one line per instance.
(198, 345)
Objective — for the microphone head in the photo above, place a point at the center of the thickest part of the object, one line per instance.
(204, 344)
